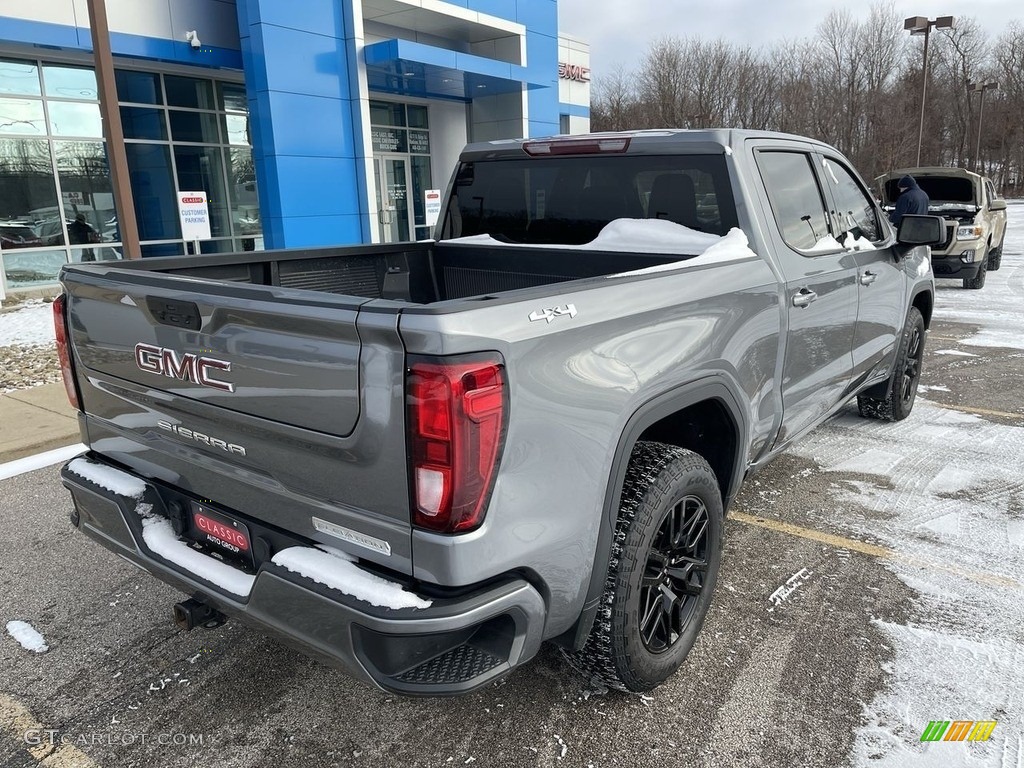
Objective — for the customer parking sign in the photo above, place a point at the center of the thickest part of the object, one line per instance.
(195, 216)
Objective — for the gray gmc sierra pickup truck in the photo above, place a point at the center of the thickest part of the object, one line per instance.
(422, 460)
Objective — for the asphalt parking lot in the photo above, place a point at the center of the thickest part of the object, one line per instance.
(873, 581)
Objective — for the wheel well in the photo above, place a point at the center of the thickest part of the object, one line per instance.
(923, 302)
(706, 428)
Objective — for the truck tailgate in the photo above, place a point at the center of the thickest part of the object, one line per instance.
(252, 398)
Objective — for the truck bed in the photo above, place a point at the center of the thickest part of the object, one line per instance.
(418, 273)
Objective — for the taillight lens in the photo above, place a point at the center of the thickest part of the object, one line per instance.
(60, 329)
(457, 414)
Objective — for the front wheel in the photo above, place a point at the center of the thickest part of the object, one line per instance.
(893, 400)
(664, 565)
(995, 259)
(978, 281)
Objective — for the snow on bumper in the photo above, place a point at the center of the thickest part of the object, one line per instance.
(319, 599)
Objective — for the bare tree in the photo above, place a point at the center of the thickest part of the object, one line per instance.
(856, 83)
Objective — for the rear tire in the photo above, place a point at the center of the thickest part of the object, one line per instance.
(666, 552)
(978, 281)
(894, 400)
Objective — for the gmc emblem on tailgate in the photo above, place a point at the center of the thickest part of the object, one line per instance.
(187, 367)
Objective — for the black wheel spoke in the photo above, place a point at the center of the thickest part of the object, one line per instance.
(674, 573)
(651, 579)
(912, 366)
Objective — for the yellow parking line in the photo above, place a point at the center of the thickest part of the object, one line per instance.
(980, 411)
(19, 723)
(873, 550)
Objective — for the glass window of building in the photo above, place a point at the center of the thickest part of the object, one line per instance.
(56, 200)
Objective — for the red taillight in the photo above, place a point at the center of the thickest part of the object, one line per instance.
(457, 413)
(60, 330)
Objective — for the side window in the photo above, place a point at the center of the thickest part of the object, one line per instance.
(796, 200)
(854, 208)
(991, 188)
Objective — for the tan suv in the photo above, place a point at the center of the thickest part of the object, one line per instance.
(975, 219)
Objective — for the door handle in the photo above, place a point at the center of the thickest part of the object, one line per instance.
(803, 297)
(868, 278)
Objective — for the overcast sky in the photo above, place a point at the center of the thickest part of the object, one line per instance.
(619, 31)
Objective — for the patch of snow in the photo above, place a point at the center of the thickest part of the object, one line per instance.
(953, 480)
(870, 462)
(827, 244)
(962, 556)
(27, 636)
(161, 539)
(337, 570)
(859, 243)
(955, 352)
(932, 388)
(632, 235)
(651, 236)
(944, 525)
(942, 676)
(997, 315)
(31, 325)
(109, 478)
(733, 246)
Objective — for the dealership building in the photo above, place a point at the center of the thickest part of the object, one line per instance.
(304, 123)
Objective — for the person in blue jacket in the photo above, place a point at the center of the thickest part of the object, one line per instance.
(912, 199)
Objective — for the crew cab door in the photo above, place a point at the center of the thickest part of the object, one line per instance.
(820, 284)
(881, 284)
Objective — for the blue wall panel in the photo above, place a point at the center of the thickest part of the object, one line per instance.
(313, 231)
(298, 69)
(503, 9)
(539, 15)
(46, 35)
(542, 58)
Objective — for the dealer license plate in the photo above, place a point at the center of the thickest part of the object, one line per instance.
(221, 533)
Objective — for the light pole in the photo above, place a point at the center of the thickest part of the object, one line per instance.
(980, 88)
(921, 25)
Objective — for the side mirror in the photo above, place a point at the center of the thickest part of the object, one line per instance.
(997, 205)
(921, 230)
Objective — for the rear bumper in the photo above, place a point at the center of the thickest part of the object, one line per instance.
(457, 644)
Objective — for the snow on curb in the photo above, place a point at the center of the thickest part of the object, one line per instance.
(27, 636)
(28, 325)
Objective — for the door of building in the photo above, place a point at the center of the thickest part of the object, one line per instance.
(391, 173)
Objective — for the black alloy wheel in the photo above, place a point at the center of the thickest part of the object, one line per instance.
(893, 399)
(677, 564)
(666, 552)
(912, 366)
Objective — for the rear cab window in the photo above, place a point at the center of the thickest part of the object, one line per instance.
(570, 199)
